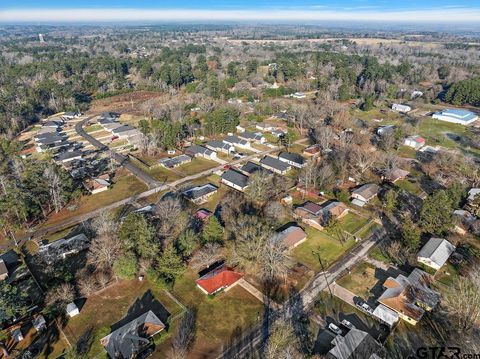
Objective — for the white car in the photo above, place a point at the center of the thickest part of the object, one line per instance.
(335, 329)
(347, 324)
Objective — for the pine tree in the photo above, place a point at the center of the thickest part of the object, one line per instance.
(170, 265)
(212, 230)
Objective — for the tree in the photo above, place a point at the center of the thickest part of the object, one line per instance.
(259, 187)
(410, 233)
(61, 295)
(13, 301)
(104, 251)
(87, 285)
(126, 266)
(138, 236)
(187, 243)
(463, 303)
(334, 228)
(170, 265)
(212, 230)
(282, 342)
(104, 224)
(436, 214)
(274, 259)
(390, 200)
(185, 335)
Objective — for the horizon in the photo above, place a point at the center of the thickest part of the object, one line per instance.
(465, 12)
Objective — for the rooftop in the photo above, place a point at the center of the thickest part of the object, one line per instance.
(457, 114)
(218, 278)
(438, 250)
(235, 177)
(275, 163)
(293, 157)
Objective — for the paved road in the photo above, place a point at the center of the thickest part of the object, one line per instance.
(255, 338)
(121, 159)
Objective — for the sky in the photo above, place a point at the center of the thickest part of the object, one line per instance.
(428, 11)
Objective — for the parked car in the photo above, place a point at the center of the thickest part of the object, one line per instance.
(365, 307)
(347, 324)
(335, 329)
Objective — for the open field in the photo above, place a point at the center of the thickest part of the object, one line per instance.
(352, 222)
(123, 187)
(125, 103)
(330, 249)
(197, 165)
(123, 299)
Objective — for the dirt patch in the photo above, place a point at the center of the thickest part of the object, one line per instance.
(126, 103)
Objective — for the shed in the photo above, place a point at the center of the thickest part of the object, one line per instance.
(72, 310)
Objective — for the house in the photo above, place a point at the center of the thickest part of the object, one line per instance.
(291, 237)
(312, 150)
(39, 323)
(252, 167)
(286, 200)
(435, 253)
(125, 131)
(275, 165)
(3, 270)
(281, 115)
(72, 310)
(252, 137)
(113, 116)
(401, 108)
(220, 146)
(175, 161)
(131, 339)
(237, 142)
(462, 117)
(397, 174)
(53, 123)
(362, 195)
(240, 128)
(98, 184)
(234, 179)
(298, 95)
(200, 194)
(317, 216)
(385, 130)
(410, 296)
(415, 142)
(463, 220)
(71, 115)
(219, 278)
(355, 344)
(277, 133)
(17, 335)
(200, 151)
(293, 159)
(265, 127)
(62, 248)
(68, 156)
(415, 94)
(472, 194)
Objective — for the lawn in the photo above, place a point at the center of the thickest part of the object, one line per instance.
(435, 132)
(123, 187)
(106, 308)
(197, 165)
(118, 143)
(408, 186)
(330, 249)
(219, 319)
(367, 230)
(360, 280)
(213, 201)
(376, 253)
(93, 128)
(406, 152)
(352, 222)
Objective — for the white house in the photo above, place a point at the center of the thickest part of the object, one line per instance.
(401, 108)
(234, 179)
(298, 95)
(415, 142)
(435, 253)
(237, 142)
(462, 117)
(364, 194)
(293, 159)
(262, 126)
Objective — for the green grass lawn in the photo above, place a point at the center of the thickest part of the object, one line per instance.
(360, 280)
(108, 307)
(118, 143)
(352, 222)
(408, 186)
(376, 253)
(93, 128)
(367, 230)
(218, 318)
(196, 166)
(435, 131)
(330, 249)
(406, 152)
(123, 187)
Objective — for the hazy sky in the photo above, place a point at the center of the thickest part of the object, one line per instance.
(433, 11)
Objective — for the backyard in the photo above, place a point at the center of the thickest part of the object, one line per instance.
(360, 280)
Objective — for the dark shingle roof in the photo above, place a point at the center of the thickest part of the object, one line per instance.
(251, 167)
(197, 149)
(275, 163)
(200, 191)
(235, 177)
(294, 157)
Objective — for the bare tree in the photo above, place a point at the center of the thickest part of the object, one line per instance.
(104, 224)
(308, 175)
(87, 285)
(275, 261)
(282, 342)
(185, 335)
(324, 136)
(60, 295)
(104, 251)
(55, 187)
(208, 254)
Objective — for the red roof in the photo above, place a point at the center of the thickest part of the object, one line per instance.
(218, 278)
(203, 214)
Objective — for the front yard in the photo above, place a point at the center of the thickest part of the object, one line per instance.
(360, 280)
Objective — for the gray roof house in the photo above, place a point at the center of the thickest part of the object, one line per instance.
(435, 253)
(252, 167)
(68, 156)
(62, 248)
(234, 179)
(355, 344)
(275, 165)
(293, 159)
(131, 339)
(175, 161)
(200, 151)
(200, 194)
(364, 193)
(220, 146)
(235, 141)
(252, 136)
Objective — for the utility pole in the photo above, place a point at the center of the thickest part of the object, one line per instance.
(317, 254)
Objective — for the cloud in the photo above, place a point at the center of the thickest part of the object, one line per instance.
(440, 15)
